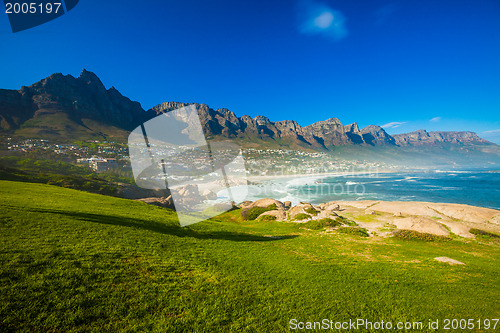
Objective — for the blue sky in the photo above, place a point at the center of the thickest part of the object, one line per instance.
(404, 65)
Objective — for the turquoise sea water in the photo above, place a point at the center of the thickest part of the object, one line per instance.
(477, 188)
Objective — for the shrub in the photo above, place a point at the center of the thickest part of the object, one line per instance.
(311, 211)
(354, 231)
(267, 218)
(254, 212)
(346, 221)
(301, 216)
(318, 224)
(487, 234)
(330, 222)
(419, 236)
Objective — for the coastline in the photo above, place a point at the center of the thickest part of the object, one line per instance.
(474, 187)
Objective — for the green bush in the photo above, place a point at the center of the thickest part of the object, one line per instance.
(346, 221)
(267, 218)
(254, 212)
(318, 224)
(354, 231)
(483, 233)
(311, 211)
(331, 222)
(418, 236)
(301, 216)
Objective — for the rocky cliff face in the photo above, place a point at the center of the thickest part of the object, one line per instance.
(422, 137)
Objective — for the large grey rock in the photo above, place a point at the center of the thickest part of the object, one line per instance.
(279, 214)
(266, 203)
(161, 202)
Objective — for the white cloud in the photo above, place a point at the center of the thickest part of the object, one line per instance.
(492, 131)
(324, 20)
(393, 124)
(319, 19)
(435, 119)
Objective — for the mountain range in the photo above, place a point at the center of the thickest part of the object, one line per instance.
(64, 108)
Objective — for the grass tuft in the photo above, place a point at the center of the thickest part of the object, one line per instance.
(301, 216)
(483, 233)
(312, 211)
(267, 218)
(419, 236)
(318, 224)
(254, 212)
(346, 221)
(354, 231)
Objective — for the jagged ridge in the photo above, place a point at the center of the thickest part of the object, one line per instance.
(65, 106)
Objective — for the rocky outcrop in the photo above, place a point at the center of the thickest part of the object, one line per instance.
(440, 219)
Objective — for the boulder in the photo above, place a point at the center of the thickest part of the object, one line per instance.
(332, 206)
(296, 210)
(279, 214)
(266, 203)
(165, 202)
(188, 191)
(187, 196)
(301, 209)
(326, 213)
(287, 204)
(245, 204)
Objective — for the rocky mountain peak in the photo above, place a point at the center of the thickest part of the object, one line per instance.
(376, 135)
(261, 120)
(352, 128)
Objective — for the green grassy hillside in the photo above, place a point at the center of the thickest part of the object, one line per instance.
(60, 127)
(74, 261)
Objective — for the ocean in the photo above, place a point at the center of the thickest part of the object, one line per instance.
(477, 188)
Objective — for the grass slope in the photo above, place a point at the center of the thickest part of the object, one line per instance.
(60, 127)
(74, 261)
